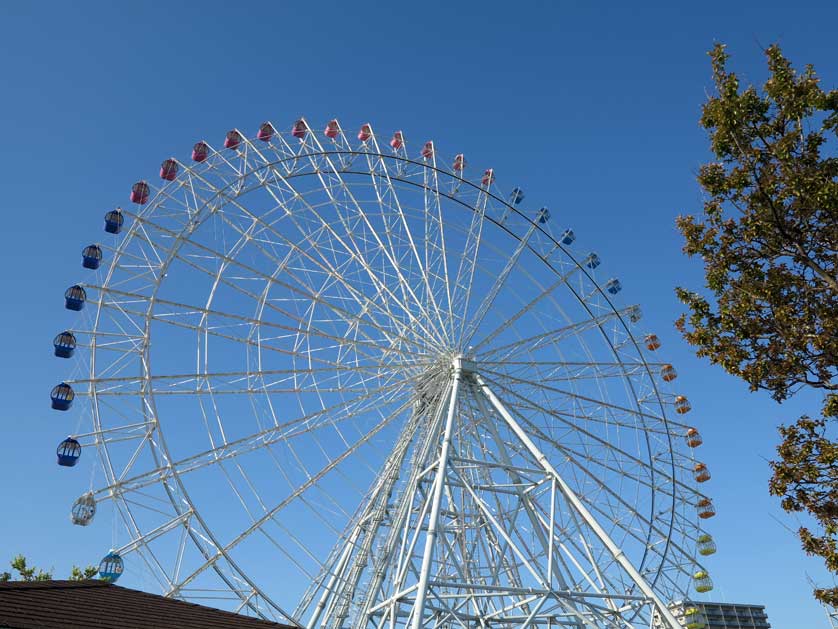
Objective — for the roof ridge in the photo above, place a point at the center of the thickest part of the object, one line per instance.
(54, 584)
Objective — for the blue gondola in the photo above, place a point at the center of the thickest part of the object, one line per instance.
(592, 261)
(111, 567)
(114, 221)
(64, 344)
(613, 286)
(62, 396)
(74, 297)
(68, 452)
(516, 196)
(635, 314)
(568, 237)
(543, 215)
(91, 257)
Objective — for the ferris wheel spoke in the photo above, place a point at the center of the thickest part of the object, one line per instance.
(527, 402)
(582, 374)
(559, 371)
(468, 263)
(614, 495)
(394, 262)
(115, 434)
(179, 520)
(497, 286)
(371, 373)
(309, 297)
(261, 439)
(552, 336)
(644, 416)
(262, 344)
(269, 515)
(186, 310)
(291, 197)
(285, 530)
(436, 255)
(283, 183)
(338, 278)
(546, 293)
(379, 172)
(581, 508)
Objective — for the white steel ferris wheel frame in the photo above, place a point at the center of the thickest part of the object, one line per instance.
(437, 539)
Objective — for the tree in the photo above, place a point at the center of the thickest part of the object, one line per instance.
(82, 574)
(26, 573)
(768, 237)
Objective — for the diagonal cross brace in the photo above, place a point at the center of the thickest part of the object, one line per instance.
(578, 505)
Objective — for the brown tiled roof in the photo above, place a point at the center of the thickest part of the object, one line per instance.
(100, 605)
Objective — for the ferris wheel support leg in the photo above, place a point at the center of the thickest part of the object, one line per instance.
(439, 485)
(337, 574)
(578, 505)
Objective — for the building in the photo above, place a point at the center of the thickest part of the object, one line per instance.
(704, 615)
(86, 604)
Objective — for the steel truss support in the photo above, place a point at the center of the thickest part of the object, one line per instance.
(462, 576)
(439, 486)
(577, 504)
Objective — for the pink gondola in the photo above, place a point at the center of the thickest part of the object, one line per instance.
(139, 192)
(332, 129)
(488, 177)
(299, 129)
(428, 150)
(459, 162)
(266, 132)
(168, 170)
(365, 133)
(232, 140)
(397, 141)
(200, 152)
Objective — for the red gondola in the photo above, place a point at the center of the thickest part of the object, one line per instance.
(299, 129)
(397, 141)
(332, 129)
(168, 170)
(266, 132)
(232, 140)
(139, 193)
(200, 152)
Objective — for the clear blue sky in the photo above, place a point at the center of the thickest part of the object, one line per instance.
(592, 107)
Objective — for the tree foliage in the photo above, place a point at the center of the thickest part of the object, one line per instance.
(27, 573)
(768, 237)
(806, 476)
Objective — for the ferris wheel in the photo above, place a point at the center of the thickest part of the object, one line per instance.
(336, 383)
